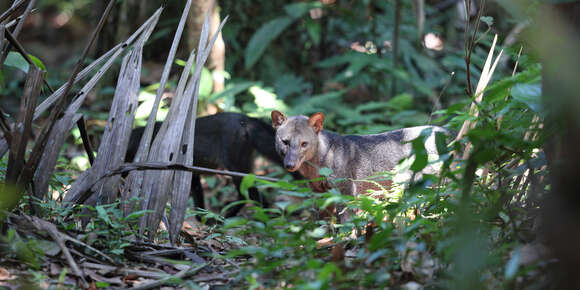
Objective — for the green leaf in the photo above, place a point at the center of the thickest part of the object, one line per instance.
(325, 171)
(485, 155)
(62, 275)
(136, 214)
(297, 10)
(16, 60)
(206, 83)
(529, 94)
(421, 156)
(262, 38)
(101, 284)
(328, 271)
(317, 233)
(401, 102)
(232, 90)
(104, 215)
(37, 61)
(314, 30)
(247, 182)
(487, 19)
(234, 222)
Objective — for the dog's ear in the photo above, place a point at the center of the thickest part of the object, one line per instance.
(277, 119)
(316, 121)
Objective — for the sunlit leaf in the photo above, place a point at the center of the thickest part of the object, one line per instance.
(247, 182)
(16, 60)
(529, 94)
(421, 156)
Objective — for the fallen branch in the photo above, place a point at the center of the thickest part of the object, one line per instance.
(181, 275)
(128, 167)
(57, 237)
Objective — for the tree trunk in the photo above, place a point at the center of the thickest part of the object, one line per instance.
(557, 40)
(217, 59)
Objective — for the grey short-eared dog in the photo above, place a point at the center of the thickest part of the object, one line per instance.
(305, 147)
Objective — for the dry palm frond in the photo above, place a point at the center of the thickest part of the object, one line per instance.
(486, 74)
(135, 179)
(115, 139)
(173, 136)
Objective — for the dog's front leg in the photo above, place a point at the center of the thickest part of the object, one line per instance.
(344, 215)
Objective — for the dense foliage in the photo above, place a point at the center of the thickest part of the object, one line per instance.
(467, 227)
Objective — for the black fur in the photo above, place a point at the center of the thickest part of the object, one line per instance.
(225, 140)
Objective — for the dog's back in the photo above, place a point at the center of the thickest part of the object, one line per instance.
(305, 147)
(365, 155)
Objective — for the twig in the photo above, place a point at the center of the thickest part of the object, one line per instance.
(71, 239)
(181, 275)
(11, 10)
(57, 237)
(17, 29)
(127, 167)
(222, 276)
(124, 271)
(467, 7)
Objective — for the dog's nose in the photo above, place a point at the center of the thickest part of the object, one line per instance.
(289, 165)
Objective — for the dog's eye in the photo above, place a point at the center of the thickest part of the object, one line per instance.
(286, 141)
(304, 144)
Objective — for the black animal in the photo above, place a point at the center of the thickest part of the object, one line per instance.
(224, 140)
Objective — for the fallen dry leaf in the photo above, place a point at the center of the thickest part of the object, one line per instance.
(5, 275)
(324, 242)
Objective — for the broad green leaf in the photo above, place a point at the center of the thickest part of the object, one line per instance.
(206, 84)
(262, 38)
(529, 94)
(234, 222)
(530, 75)
(329, 271)
(421, 156)
(102, 212)
(314, 30)
(266, 101)
(16, 60)
(317, 233)
(297, 10)
(247, 182)
(400, 102)
(232, 90)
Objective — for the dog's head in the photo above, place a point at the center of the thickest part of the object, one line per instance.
(297, 138)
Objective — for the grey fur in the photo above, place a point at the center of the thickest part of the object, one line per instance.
(352, 157)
